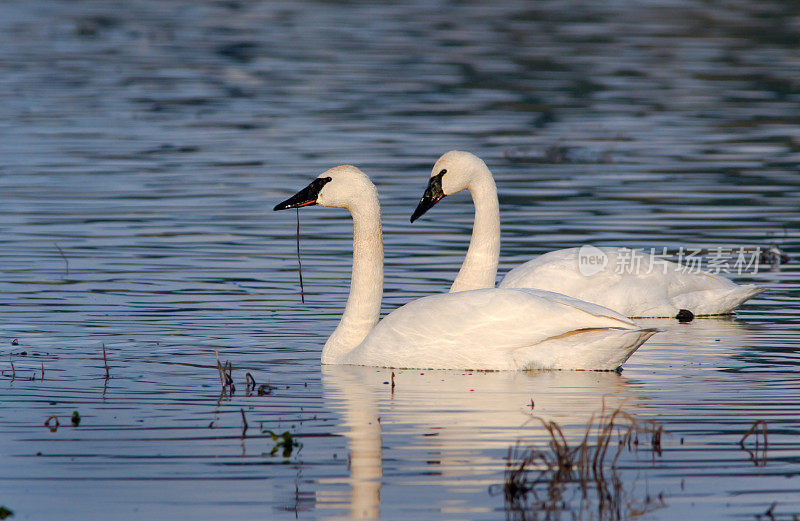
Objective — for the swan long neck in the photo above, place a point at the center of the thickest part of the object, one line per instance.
(363, 307)
(479, 269)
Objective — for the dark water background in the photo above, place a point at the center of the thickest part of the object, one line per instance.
(143, 145)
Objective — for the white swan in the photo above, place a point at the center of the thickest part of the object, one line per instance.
(492, 329)
(665, 291)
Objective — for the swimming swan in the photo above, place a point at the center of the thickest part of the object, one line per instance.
(666, 291)
(491, 329)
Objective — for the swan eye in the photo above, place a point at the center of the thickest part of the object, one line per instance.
(443, 172)
(328, 179)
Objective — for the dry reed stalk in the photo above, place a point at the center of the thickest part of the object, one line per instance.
(105, 361)
(537, 480)
(229, 376)
(219, 369)
(758, 455)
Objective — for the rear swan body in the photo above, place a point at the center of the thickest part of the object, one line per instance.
(663, 291)
(487, 329)
(666, 290)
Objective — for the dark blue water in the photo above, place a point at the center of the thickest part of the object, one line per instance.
(143, 145)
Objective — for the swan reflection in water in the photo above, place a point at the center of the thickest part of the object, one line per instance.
(709, 341)
(462, 420)
(466, 421)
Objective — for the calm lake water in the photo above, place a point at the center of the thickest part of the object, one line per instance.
(143, 145)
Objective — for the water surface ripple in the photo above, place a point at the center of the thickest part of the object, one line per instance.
(143, 145)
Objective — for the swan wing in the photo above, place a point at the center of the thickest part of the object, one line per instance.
(493, 329)
(651, 287)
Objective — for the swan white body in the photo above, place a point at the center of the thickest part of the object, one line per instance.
(500, 329)
(489, 329)
(661, 292)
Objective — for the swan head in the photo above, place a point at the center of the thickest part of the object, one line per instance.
(451, 173)
(343, 186)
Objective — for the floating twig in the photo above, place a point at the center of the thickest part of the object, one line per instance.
(758, 455)
(244, 423)
(53, 427)
(66, 261)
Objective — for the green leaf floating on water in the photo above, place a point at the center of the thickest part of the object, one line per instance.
(284, 442)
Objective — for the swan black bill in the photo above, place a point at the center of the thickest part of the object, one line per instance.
(305, 197)
(433, 194)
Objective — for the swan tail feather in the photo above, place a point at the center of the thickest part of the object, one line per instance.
(597, 349)
(725, 303)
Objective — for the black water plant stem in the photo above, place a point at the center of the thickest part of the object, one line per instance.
(299, 264)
